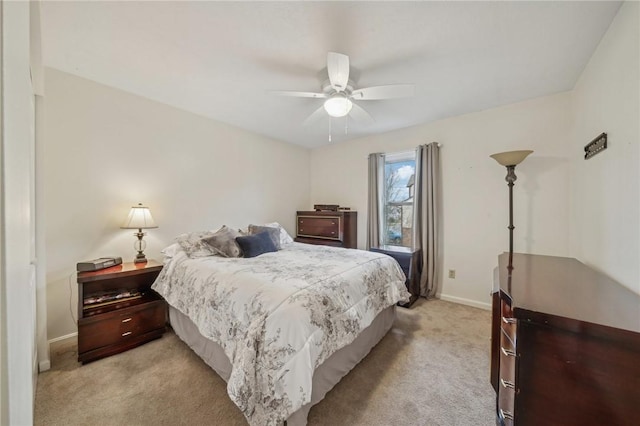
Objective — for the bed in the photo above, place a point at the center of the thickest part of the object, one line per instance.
(284, 327)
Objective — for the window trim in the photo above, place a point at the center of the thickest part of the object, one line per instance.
(397, 157)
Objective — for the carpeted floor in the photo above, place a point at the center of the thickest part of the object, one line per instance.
(431, 369)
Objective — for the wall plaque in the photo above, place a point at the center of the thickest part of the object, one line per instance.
(597, 145)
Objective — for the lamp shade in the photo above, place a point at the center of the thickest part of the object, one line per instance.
(139, 218)
(338, 105)
(511, 158)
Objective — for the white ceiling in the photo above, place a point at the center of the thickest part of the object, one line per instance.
(220, 59)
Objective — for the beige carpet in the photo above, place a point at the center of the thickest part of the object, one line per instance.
(431, 369)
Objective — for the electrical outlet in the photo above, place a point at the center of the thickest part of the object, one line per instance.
(452, 274)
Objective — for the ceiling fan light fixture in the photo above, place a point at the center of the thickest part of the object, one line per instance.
(338, 105)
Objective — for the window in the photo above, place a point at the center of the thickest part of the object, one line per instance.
(399, 186)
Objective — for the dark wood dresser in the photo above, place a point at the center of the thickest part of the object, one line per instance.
(339, 229)
(565, 345)
(410, 262)
(130, 315)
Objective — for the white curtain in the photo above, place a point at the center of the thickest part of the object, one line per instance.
(425, 215)
(374, 208)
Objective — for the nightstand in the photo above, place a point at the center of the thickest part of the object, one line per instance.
(117, 310)
(411, 264)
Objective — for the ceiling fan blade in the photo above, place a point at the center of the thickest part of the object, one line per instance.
(297, 94)
(315, 116)
(358, 113)
(338, 70)
(384, 92)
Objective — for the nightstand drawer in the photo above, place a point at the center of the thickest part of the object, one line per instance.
(118, 327)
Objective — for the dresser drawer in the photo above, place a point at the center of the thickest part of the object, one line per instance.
(507, 386)
(120, 326)
(507, 358)
(508, 323)
(319, 227)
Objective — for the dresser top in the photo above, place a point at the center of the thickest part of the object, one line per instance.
(565, 287)
(324, 212)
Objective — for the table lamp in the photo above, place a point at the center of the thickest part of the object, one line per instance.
(139, 218)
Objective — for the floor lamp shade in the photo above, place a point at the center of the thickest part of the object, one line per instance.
(511, 158)
(139, 218)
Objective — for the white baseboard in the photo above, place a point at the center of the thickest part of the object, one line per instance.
(463, 301)
(44, 366)
(65, 337)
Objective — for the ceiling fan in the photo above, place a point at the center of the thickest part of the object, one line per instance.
(340, 93)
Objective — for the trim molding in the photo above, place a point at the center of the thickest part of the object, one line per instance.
(65, 337)
(463, 301)
(44, 366)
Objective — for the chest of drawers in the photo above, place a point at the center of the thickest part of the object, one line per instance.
(337, 229)
(565, 345)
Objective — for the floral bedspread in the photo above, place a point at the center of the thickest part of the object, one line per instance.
(278, 316)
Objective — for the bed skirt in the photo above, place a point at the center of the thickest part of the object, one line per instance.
(326, 376)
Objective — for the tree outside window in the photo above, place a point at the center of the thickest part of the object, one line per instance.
(399, 179)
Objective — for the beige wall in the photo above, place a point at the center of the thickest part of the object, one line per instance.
(564, 205)
(474, 192)
(106, 150)
(605, 190)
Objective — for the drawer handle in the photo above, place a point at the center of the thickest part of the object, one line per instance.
(301, 230)
(302, 221)
(507, 352)
(507, 384)
(126, 334)
(333, 223)
(333, 232)
(506, 415)
(509, 320)
(126, 320)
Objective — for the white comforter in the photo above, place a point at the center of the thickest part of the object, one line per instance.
(278, 316)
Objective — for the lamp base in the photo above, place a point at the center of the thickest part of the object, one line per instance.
(140, 245)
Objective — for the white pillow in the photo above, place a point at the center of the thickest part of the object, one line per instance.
(285, 238)
(194, 246)
(172, 250)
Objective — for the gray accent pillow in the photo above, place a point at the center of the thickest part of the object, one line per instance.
(274, 233)
(257, 244)
(224, 242)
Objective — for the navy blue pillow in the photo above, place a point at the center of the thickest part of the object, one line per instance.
(256, 244)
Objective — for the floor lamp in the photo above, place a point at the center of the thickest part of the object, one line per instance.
(510, 160)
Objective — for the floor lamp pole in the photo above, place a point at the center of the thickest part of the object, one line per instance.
(511, 178)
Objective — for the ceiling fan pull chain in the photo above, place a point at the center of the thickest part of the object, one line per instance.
(346, 125)
(329, 129)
